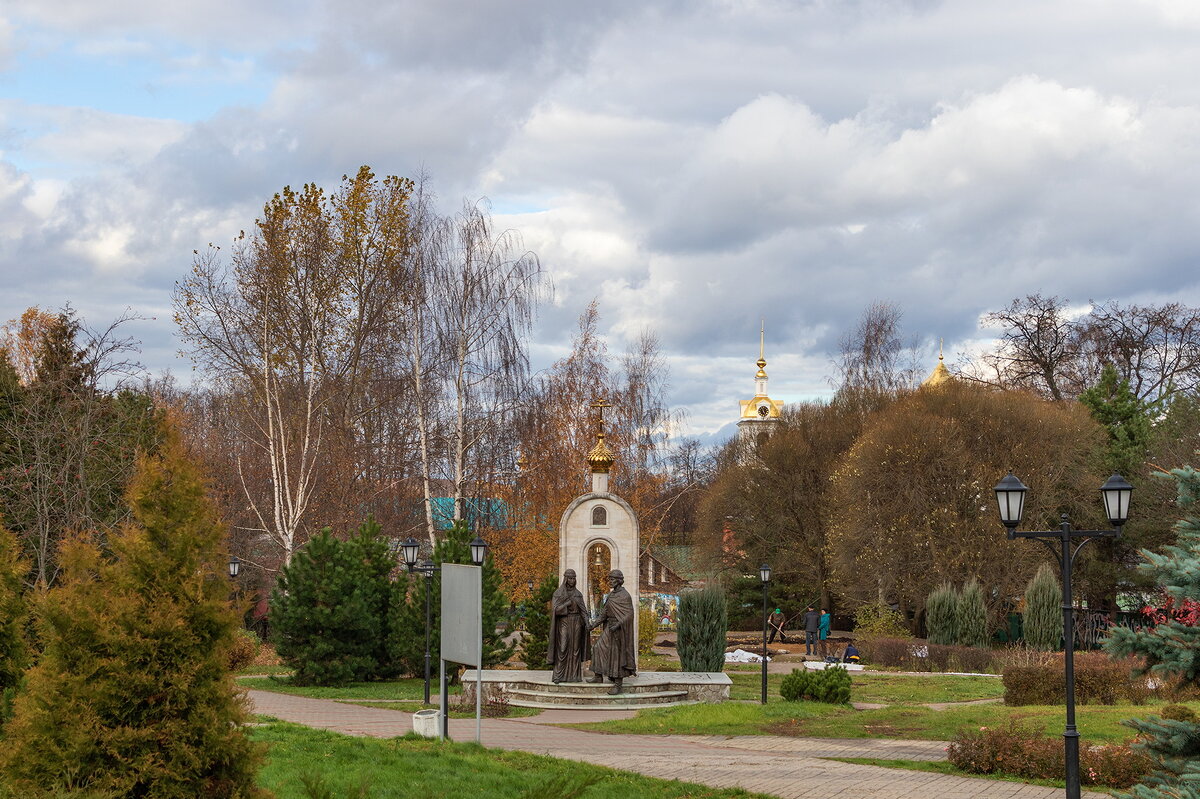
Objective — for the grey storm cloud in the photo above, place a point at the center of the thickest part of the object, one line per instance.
(694, 166)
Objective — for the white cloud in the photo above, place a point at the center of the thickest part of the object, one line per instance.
(695, 166)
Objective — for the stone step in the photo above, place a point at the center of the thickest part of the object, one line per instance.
(621, 706)
(588, 689)
(557, 699)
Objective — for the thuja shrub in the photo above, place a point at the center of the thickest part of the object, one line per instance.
(14, 650)
(702, 630)
(1042, 622)
(941, 615)
(971, 616)
(132, 694)
(1099, 680)
(1019, 751)
(831, 685)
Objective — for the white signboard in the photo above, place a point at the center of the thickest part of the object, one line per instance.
(462, 627)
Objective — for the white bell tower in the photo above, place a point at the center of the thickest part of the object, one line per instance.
(760, 416)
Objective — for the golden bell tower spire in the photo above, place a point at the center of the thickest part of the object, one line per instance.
(940, 373)
(762, 362)
(760, 415)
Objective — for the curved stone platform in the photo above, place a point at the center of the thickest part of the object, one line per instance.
(646, 689)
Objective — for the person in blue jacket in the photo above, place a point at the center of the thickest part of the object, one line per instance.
(823, 630)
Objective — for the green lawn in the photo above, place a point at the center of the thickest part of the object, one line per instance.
(395, 689)
(890, 689)
(409, 768)
(1097, 723)
(277, 670)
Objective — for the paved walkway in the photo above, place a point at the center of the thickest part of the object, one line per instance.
(790, 768)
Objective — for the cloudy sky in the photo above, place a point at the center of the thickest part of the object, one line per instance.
(696, 166)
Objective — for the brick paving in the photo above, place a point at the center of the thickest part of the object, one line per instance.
(789, 768)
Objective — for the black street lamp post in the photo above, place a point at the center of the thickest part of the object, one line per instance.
(410, 548)
(764, 574)
(1010, 496)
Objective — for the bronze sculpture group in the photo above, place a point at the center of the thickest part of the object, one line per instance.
(614, 654)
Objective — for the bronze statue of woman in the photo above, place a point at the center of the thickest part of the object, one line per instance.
(570, 644)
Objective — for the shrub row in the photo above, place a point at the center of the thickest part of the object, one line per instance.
(1099, 680)
(830, 685)
(912, 656)
(1012, 749)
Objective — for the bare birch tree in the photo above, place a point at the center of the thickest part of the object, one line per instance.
(488, 288)
(289, 323)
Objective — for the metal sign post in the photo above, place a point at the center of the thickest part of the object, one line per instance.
(462, 631)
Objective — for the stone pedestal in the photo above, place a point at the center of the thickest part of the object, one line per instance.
(646, 689)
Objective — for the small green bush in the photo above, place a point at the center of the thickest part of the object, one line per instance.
(971, 616)
(1099, 680)
(702, 630)
(647, 629)
(1012, 749)
(1042, 621)
(881, 620)
(1178, 713)
(941, 615)
(831, 685)
(246, 646)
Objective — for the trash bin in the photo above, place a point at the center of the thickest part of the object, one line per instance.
(425, 723)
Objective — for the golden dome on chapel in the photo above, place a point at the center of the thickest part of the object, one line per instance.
(601, 458)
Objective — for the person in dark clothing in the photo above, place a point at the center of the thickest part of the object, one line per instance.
(851, 654)
(776, 623)
(812, 628)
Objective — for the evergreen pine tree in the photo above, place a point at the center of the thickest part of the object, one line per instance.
(407, 632)
(535, 645)
(378, 563)
(1172, 652)
(1126, 418)
(1043, 619)
(971, 616)
(131, 695)
(14, 650)
(322, 618)
(941, 615)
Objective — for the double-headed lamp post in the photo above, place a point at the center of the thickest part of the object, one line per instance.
(1010, 496)
(411, 548)
(764, 574)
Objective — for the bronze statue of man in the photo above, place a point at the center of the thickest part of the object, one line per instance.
(615, 652)
(570, 644)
